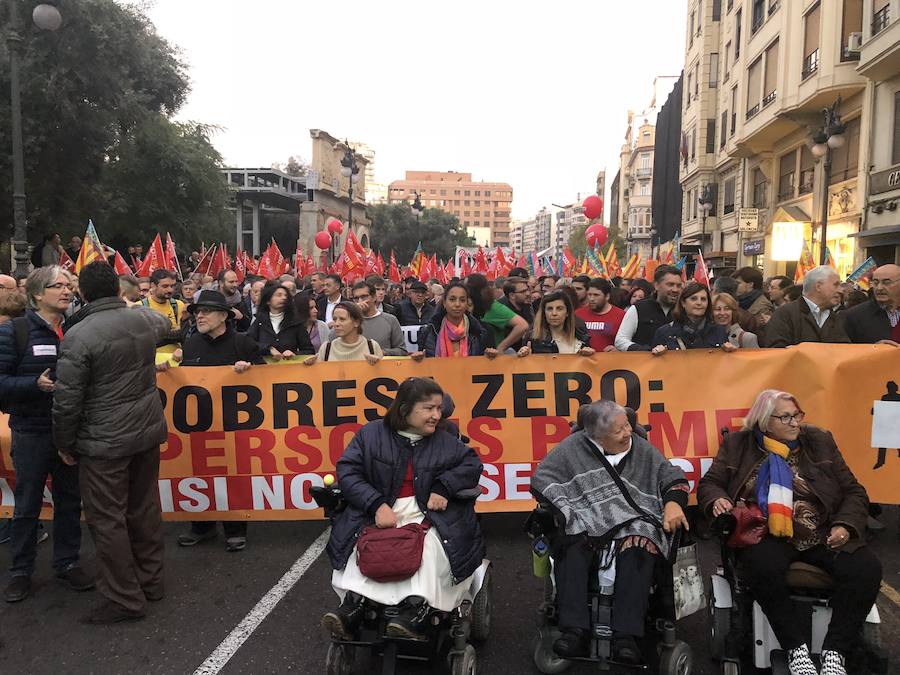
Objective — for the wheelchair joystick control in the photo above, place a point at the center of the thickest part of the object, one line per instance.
(540, 558)
(328, 479)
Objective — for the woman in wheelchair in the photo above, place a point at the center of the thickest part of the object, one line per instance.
(816, 513)
(623, 521)
(400, 470)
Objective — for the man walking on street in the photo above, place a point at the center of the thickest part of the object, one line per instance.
(28, 354)
(107, 374)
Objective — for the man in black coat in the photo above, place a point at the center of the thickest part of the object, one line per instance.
(29, 348)
(643, 318)
(217, 343)
(877, 321)
(415, 311)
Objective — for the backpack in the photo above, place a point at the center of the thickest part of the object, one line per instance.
(173, 303)
(328, 349)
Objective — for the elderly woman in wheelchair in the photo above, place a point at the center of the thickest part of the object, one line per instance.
(614, 499)
(788, 497)
(406, 546)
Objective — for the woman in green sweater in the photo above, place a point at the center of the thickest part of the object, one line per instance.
(348, 343)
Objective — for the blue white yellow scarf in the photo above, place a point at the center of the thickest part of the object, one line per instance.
(775, 485)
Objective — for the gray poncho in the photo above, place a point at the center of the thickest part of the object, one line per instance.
(578, 484)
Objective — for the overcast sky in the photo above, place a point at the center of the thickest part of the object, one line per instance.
(531, 93)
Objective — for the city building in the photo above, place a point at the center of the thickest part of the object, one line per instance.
(566, 219)
(601, 192)
(879, 62)
(758, 74)
(515, 235)
(483, 208)
(638, 172)
(614, 220)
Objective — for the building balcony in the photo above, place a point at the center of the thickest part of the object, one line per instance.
(810, 65)
(643, 172)
(880, 55)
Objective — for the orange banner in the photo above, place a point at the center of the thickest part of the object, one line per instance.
(250, 446)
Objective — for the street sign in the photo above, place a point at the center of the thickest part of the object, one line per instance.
(748, 220)
(312, 180)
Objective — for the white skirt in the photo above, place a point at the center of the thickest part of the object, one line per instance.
(433, 581)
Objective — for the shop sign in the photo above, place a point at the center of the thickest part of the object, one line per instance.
(885, 181)
(754, 247)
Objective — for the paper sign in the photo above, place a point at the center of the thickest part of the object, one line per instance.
(886, 424)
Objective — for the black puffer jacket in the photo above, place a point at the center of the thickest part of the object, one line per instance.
(29, 407)
(371, 472)
(292, 335)
(106, 404)
(479, 338)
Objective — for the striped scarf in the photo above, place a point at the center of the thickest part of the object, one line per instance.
(775, 485)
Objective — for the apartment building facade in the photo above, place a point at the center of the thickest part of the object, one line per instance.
(758, 74)
(637, 175)
(483, 208)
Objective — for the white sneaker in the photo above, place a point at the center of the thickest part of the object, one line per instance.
(833, 663)
(800, 662)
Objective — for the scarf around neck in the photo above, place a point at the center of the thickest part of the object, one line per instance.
(449, 334)
(746, 300)
(775, 485)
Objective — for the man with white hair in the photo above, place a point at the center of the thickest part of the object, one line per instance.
(812, 317)
(583, 482)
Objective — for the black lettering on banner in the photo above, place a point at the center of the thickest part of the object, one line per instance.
(481, 407)
(563, 394)
(281, 406)
(204, 409)
(331, 402)
(374, 394)
(632, 387)
(522, 394)
(232, 407)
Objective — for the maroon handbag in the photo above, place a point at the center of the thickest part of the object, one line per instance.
(391, 554)
(750, 525)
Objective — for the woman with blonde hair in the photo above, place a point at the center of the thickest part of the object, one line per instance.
(725, 313)
(816, 513)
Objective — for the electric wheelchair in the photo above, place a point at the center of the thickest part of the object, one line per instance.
(669, 655)
(449, 635)
(734, 617)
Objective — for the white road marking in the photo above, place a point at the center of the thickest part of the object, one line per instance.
(229, 646)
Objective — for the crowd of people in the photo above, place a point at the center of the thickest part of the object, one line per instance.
(73, 346)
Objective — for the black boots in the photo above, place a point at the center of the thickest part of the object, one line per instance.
(410, 622)
(573, 643)
(343, 622)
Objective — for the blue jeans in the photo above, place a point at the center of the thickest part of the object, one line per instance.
(35, 458)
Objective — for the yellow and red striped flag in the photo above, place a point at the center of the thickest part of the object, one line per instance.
(91, 248)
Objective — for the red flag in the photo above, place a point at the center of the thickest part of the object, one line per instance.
(701, 274)
(379, 265)
(465, 268)
(569, 262)
(251, 263)
(503, 265)
(119, 264)
(205, 261)
(354, 243)
(171, 256)
(298, 261)
(68, 264)
(219, 262)
(240, 268)
(155, 260)
(522, 262)
(449, 270)
(353, 263)
(393, 271)
(481, 265)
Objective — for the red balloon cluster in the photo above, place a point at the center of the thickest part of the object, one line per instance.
(323, 240)
(335, 226)
(596, 235)
(593, 207)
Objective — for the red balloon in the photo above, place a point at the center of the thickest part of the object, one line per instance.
(323, 240)
(596, 235)
(335, 226)
(593, 207)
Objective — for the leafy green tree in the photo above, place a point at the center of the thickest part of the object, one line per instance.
(95, 94)
(394, 227)
(578, 243)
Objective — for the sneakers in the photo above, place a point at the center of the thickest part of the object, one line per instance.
(573, 643)
(76, 578)
(800, 662)
(108, 613)
(343, 622)
(833, 663)
(409, 622)
(18, 589)
(193, 538)
(234, 544)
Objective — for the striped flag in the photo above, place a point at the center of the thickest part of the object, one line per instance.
(612, 261)
(91, 248)
(862, 275)
(633, 268)
(805, 264)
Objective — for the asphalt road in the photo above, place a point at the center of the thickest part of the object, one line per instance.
(210, 591)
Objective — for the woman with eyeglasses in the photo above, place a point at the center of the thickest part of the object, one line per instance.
(816, 512)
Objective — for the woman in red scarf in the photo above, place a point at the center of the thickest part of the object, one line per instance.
(453, 331)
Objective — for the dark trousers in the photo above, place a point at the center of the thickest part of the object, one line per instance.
(233, 528)
(857, 579)
(121, 505)
(631, 596)
(34, 459)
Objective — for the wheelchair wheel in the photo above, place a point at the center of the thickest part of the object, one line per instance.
(676, 660)
(339, 660)
(464, 664)
(545, 659)
(730, 668)
(482, 608)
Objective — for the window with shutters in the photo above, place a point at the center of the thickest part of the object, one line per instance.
(787, 169)
(754, 80)
(710, 136)
(770, 80)
(758, 16)
(734, 103)
(811, 42)
(691, 31)
(807, 170)
(760, 185)
(896, 155)
(714, 69)
(717, 10)
(851, 22)
(694, 143)
(724, 128)
(845, 160)
(737, 34)
(881, 15)
(728, 197)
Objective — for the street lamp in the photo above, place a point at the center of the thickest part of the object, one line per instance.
(350, 169)
(45, 17)
(829, 137)
(706, 201)
(417, 207)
